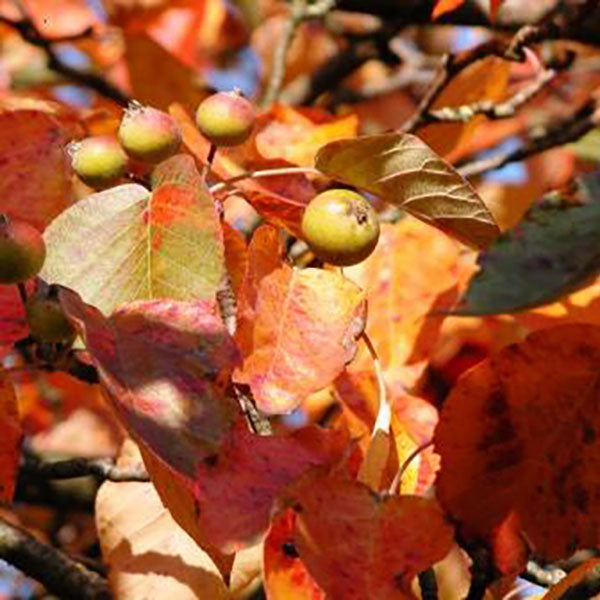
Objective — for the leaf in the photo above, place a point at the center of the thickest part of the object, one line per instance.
(35, 179)
(289, 134)
(157, 77)
(305, 331)
(358, 544)
(125, 244)
(413, 272)
(285, 576)
(164, 364)
(579, 583)
(549, 254)
(147, 553)
(519, 430)
(402, 170)
(234, 490)
(11, 436)
(443, 6)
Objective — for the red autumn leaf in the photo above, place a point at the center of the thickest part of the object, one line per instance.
(285, 576)
(235, 490)
(12, 318)
(10, 439)
(358, 544)
(444, 6)
(162, 363)
(519, 430)
(35, 182)
(304, 332)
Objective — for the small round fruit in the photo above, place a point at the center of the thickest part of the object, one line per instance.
(226, 118)
(148, 134)
(98, 161)
(340, 227)
(47, 320)
(22, 251)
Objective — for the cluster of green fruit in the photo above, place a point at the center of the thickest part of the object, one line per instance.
(150, 136)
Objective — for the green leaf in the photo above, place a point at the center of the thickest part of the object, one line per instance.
(403, 170)
(554, 251)
(128, 244)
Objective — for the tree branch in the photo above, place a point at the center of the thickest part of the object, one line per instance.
(104, 468)
(542, 576)
(570, 130)
(588, 587)
(29, 33)
(58, 573)
(301, 11)
(428, 585)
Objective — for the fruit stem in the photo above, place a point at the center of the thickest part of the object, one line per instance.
(22, 293)
(212, 151)
(395, 486)
(263, 173)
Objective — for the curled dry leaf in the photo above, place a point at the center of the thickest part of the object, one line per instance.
(305, 330)
(358, 544)
(148, 554)
(403, 170)
(519, 429)
(128, 244)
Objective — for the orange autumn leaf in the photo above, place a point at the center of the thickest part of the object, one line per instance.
(236, 255)
(358, 544)
(285, 576)
(413, 272)
(443, 6)
(10, 439)
(305, 331)
(289, 134)
(519, 429)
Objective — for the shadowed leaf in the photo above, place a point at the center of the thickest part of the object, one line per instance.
(10, 440)
(520, 430)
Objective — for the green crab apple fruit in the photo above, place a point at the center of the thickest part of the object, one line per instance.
(340, 227)
(98, 161)
(46, 318)
(226, 118)
(148, 134)
(22, 251)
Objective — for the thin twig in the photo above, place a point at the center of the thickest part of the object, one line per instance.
(587, 587)
(104, 468)
(570, 130)
(502, 110)
(482, 573)
(30, 33)
(217, 187)
(542, 576)
(301, 11)
(58, 573)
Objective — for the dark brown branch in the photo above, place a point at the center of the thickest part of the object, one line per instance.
(29, 32)
(570, 130)
(104, 468)
(482, 573)
(59, 574)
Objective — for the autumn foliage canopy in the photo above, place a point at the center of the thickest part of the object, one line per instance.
(231, 413)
